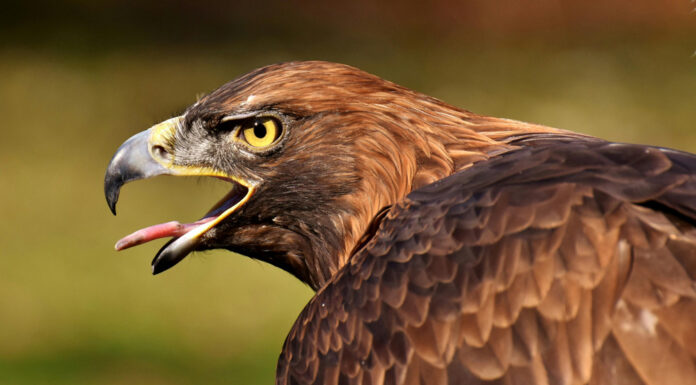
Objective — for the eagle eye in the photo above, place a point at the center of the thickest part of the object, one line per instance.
(261, 132)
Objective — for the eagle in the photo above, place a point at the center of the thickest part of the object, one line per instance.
(444, 247)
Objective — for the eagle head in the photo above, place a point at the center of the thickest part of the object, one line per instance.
(312, 152)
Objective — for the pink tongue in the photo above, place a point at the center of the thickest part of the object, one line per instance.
(169, 229)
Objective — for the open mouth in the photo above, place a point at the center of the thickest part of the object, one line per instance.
(176, 229)
(185, 236)
(148, 154)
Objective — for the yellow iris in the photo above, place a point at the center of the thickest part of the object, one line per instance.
(261, 132)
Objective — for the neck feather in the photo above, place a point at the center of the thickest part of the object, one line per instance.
(410, 147)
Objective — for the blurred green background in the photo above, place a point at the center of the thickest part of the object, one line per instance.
(78, 77)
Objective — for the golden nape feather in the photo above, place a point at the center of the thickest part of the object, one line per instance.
(445, 247)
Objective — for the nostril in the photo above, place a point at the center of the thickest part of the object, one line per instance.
(162, 153)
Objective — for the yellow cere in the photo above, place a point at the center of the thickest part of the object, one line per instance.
(261, 132)
(162, 136)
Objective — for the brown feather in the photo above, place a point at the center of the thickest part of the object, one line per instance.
(571, 268)
(448, 247)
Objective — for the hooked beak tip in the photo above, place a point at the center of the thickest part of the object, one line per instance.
(111, 199)
(132, 161)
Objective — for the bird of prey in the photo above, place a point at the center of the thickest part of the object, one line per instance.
(444, 247)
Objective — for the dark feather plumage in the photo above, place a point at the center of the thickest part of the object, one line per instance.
(452, 248)
(540, 266)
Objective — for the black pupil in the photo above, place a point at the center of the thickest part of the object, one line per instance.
(259, 130)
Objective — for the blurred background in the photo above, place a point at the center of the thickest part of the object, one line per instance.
(78, 77)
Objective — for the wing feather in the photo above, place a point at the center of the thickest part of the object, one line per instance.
(564, 262)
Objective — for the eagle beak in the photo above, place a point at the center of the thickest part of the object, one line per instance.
(134, 160)
(151, 153)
